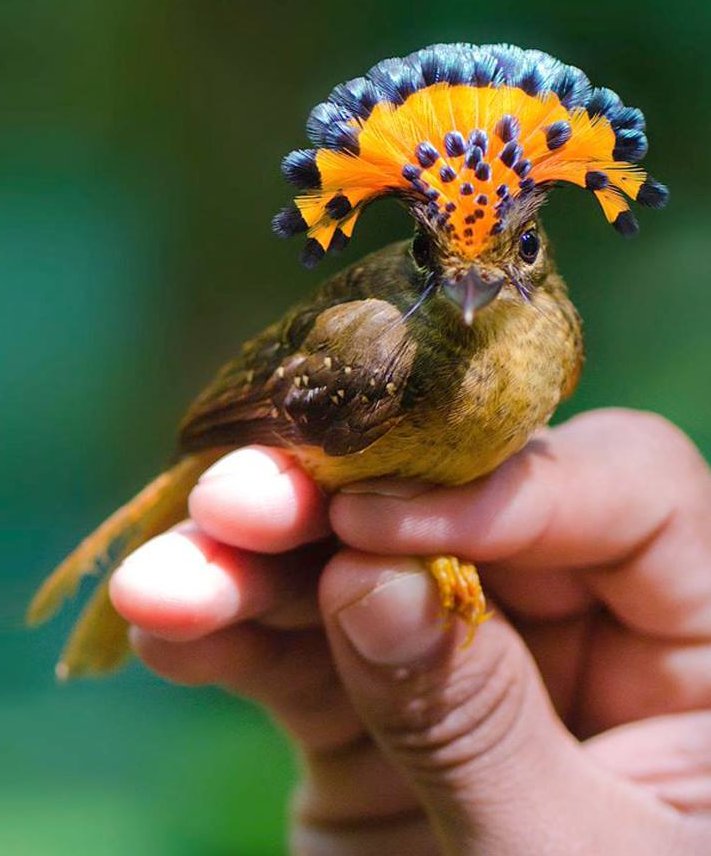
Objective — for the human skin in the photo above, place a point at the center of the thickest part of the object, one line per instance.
(578, 721)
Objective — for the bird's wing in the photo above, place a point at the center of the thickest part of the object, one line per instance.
(335, 380)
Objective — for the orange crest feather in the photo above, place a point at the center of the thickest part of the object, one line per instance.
(460, 134)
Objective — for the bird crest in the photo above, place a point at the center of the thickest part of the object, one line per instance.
(462, 134)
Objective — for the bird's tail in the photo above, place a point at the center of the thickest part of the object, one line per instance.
(98, 642)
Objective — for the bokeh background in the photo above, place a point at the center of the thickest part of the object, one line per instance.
(139, 153)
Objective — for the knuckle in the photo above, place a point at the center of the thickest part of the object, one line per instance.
(651, 436)
(665, 449)
(653, 432)
(446, 722)
(177, 664)
(661, 433)
(250, 662)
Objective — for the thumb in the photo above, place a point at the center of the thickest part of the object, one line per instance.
(470, 728)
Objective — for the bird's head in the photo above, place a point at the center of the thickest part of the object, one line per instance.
(512, 265)
(470, 139)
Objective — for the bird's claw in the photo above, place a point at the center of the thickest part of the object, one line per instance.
(460, 591)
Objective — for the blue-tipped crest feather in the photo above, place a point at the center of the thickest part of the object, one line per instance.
(336, 124)
(299, 168)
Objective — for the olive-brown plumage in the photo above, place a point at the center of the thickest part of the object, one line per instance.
(357, 385)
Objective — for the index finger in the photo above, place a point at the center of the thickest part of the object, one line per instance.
(259, 499)
(609, 489)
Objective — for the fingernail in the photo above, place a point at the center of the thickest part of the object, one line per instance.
(245, 463)
(397, 488)
(396, 624)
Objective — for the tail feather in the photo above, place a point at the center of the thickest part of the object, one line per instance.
(99, 641)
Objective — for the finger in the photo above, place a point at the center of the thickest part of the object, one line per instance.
(629, 676)
(406, 832)
(289, 673)
(347, 781)
(184, 584)
(669, 755)
(560, 651)
(470, 729)
(258, 499)
(611, 488)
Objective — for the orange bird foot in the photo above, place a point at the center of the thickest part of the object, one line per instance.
(460, 591)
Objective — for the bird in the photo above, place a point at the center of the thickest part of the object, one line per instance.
(435, 358)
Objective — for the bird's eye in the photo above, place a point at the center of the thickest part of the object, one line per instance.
(528, 246)
(421, 250)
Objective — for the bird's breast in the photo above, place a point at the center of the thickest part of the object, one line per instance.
(479, 404)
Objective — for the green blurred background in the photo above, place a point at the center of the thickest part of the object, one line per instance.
(139, 153)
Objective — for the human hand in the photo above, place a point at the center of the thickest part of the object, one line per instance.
(578, 723)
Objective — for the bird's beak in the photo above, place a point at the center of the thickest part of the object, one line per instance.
(473, 292)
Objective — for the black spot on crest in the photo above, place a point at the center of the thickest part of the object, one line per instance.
(626, 224)
(596, 180)
(327, 127)
(454, 143)
(558, 134)
(338, 207)
(426, 154)
(604, 102)
(628, 118)
(299, 168)
(312, 253)
(479, 138)
(473, 157)
(485, 71)
(339, 241)
(508, 128)
(653, 194)
(631, 146)
(483, 171)
(510, 153)
(532, 81)
(572, 87)
(397, 79)
(358, 97)
(289, 222)
(410, 172)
